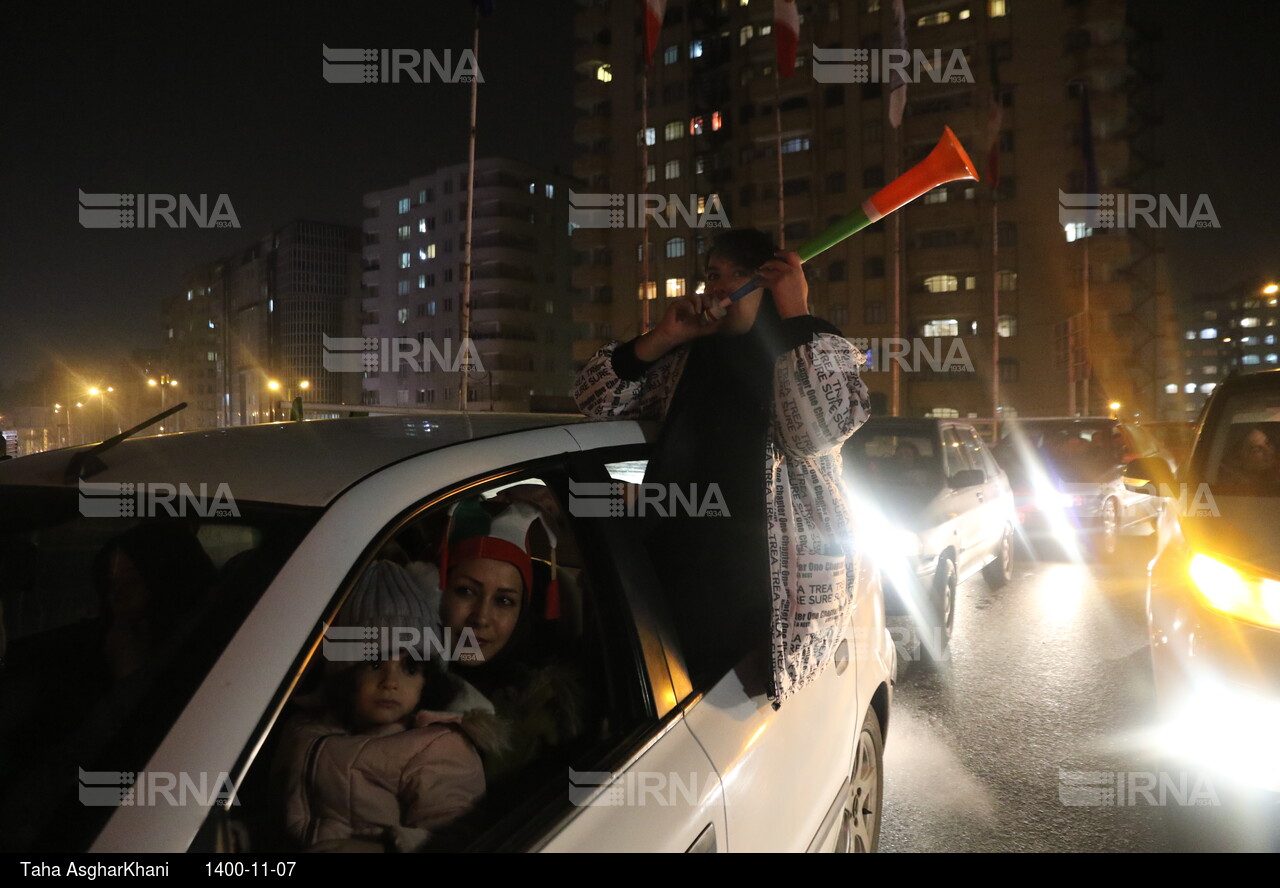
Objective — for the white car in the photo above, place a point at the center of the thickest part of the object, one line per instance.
(290, 515)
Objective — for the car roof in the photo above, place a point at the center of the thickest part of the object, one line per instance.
(298, 463)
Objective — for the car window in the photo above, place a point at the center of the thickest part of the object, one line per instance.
(956, 453)
(110, 625)
(1243, 444)
(980, 455)
(893, 458)
(522, 684)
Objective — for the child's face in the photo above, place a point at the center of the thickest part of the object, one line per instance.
(386, 692)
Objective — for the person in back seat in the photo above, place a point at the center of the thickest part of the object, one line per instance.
(488, 588)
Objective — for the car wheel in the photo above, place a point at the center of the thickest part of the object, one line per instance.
(1000, 571)
(1106, 541)
(860, 826)
(943, 606)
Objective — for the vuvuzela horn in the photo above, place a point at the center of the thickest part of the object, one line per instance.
(947, 162)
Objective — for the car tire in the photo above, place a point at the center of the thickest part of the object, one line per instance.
(1000, 571)
(860, 823)
(1106, 540)
(942, 610)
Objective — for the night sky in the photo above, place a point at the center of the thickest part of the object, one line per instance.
(226, 98)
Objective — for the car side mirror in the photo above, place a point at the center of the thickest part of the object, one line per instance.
(1152, 471)
(967, 478)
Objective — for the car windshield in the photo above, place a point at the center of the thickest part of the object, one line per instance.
(1242, 455)
(893, 459)
(1070, 450)
(109, 625)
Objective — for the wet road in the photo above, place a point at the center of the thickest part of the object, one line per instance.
(1030, 738)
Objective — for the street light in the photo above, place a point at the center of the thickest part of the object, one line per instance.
(1115, 409)
(101, 395)
(274, 386)
(163, 383)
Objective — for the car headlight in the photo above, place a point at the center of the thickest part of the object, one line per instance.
(1236, 593)
(1052, 500)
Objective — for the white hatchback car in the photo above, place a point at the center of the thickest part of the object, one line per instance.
(275, 525)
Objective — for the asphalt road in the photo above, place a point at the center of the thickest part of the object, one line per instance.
(1035, 734)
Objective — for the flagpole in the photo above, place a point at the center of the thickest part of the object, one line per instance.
(777, 132)
(466, 244)
(896, 370)
(644, 190)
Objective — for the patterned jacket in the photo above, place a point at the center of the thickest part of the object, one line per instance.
(819, 400)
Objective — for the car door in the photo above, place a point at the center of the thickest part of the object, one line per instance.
(995, 505)
(964, 503)
(782, 770)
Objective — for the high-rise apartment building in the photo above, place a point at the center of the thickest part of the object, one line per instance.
(972, 265)
(521, 324)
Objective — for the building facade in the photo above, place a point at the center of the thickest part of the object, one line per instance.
(521, 323)
(964, 271)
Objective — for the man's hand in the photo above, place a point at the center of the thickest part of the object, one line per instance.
(784, 276)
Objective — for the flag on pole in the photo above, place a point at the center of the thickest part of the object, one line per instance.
(995, 117)
(897, 82)
(654, 10)
(786, 32)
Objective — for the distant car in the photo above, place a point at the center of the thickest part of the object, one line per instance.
(291, 515)
(1213, 600)
(1069, 484)
(943, 510)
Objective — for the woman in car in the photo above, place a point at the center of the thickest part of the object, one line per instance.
(756, 402)
(491, 591)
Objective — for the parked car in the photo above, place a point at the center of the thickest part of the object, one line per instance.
(289, 517)
(943, 510)
(1069, 485)
(1213, 600)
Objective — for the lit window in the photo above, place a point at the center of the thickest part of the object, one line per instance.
(1209, 333)
(431, 308)
(996, 8)
(422, 226)
(1212, 369)
(970, 282)
(650, 288)
(402, 232)
(1250, 359)
(1208, 388)
(1191, 334)
(1269, 339)
(647, 136)
(695, 49)
(1171, 388)
(1075, 231)
(675, 288)
(672, 169)
(937, 18)
(402, 288)
(402, 315)
(672, 131)
(405, 258)
(1248, 322)
(716, 121)
(1190, 388)
(429, 252)
(936, 196)
(675, 248)
(1006, 280)
(1271, 358)
(604, 73)
(695, 126)
(963, 14)
(949, 327)
(942, 283)
(671, 55)
(791, 146)
(1006, 326)
(404, 204)
(190, 295)
(745, 34)
(702, 205)
(651, 173)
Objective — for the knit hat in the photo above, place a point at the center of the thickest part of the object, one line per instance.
(387, 597)
(474, 533)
